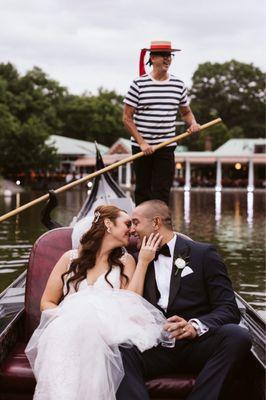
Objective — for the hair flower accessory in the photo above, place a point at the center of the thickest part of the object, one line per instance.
(96, 216)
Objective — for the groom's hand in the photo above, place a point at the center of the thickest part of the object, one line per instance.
(180, 328)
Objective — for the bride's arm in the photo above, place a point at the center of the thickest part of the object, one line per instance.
(146, 255)
(137, 278)
(54, 287)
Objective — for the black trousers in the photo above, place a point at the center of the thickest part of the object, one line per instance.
(154, 175)
(214, 356)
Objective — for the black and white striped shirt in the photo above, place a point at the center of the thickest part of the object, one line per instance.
(156, 104)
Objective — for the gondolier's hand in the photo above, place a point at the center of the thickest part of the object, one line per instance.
(146, 148)
(194, 128)
(149, 247)
(180, 328)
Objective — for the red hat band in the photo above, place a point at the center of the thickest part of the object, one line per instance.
(155, 47)
(161, 45)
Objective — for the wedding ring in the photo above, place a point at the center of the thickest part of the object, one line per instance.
(184, 329)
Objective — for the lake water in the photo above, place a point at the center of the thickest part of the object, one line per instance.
(234, 221)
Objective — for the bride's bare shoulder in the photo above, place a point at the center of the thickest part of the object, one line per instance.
(64, 261)
(69, 255)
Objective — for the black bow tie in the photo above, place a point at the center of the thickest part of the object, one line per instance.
(164, 250)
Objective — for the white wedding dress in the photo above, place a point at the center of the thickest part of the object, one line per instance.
(74, 351)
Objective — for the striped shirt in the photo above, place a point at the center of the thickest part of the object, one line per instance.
(156, 104)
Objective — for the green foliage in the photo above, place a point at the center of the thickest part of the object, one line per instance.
(9, 125)
(107, 112)
(33, 106)
(92, 118)
(233, 91)
(217, 135)
(28, 115)
(23, 145)
(30, 138)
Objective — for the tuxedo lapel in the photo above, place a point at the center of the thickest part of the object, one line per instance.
(151, 290)
(181, 250)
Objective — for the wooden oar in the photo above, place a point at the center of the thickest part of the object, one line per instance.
(101, 171)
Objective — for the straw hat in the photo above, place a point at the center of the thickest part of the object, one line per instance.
(158, 46)
(161, 45)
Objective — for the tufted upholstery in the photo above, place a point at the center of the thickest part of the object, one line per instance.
(16, 378)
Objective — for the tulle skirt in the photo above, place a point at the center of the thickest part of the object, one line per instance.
(74, 351)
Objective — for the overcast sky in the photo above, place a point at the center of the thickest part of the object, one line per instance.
(88, 44)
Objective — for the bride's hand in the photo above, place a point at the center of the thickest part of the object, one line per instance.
(149, 247)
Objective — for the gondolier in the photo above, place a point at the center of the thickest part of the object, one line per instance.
(150, 111)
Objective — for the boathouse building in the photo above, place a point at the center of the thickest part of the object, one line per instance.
(237, 163)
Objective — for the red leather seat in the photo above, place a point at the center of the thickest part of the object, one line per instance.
(175, 386)
(16, 378)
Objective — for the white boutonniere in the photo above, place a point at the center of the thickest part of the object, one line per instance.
(180, 264)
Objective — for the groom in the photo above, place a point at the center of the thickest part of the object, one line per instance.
(188, 281)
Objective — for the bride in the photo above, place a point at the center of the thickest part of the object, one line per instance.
(91, 305)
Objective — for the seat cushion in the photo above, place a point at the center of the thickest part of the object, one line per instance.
(175, 386)
(16, 377)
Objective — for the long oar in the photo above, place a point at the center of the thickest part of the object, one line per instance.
(101, 171)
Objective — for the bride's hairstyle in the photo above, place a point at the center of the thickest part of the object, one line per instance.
(90, 244)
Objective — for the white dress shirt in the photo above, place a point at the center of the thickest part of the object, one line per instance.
(163, 271)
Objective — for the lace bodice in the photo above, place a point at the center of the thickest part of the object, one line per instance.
(113, 278)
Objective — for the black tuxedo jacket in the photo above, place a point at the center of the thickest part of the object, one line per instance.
(205, 294)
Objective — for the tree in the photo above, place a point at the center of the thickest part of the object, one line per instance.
(9, 125)
(23, 146)
(107, 123)
(232, 90)
(39, 96)
(28, 115)
(33, 106)
(90, 117)
(76, 117)
(216, 135)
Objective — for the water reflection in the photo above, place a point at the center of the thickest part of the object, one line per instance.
(237, 214)
(218, 206)
(7, 200)
(17, 200)
(187, 206)
(250, 204)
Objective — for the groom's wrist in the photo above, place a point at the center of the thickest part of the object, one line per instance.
(198, 326)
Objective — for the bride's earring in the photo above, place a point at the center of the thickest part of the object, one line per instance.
(108, 229)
